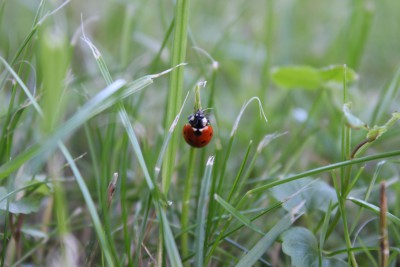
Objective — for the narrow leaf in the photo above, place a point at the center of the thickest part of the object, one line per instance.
(170, 244)
(264, 243)
(202, 214)
(240, 217)
(374, 209)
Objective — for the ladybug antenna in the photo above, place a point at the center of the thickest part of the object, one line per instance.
(197, 99)
(206, 109)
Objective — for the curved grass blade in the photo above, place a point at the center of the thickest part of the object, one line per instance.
(164, 146)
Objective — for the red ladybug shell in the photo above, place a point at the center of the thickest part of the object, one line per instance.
(197, 137)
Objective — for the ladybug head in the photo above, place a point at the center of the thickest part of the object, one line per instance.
(198, 120)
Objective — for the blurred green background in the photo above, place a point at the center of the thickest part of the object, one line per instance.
(249, 41)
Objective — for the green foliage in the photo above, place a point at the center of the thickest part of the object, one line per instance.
(315, 194)
(307, 77)
(25, 205)
(266, 241)
(85, 97)
(302, 246)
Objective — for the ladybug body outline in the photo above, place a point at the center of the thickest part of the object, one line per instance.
(198, 132)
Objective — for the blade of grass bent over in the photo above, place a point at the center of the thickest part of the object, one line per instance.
(221, 177)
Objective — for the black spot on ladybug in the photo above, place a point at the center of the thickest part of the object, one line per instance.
(210, 134)
(191, 141)
(203, 142)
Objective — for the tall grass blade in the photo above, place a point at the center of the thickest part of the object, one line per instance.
(174, 99)
(103, 100)
(169, 240)
(199, 243)
(235, 213)
(387, 96)
(90, 204)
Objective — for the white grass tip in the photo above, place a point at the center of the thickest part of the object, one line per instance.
(53, 12)
(215, 65)
(95, 51)
(115, 177)
(235, 126)
(297, 210)
(210, 161)
(202, 84)
(175, 122)
(267, 139)
(168, 70)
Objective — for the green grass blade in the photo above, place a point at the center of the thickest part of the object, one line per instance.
(235, 126)
(97, 104)
(23, 86)
(387, 96)
(170, 244)
(223, 235)
(174, 98)
(374, 209)
(199, 243)
(186, 202)
(155, 192)
(167, 140)
(90, 204)
(136, 147)
(238, 175)
(235, 213)
(264, 243)
(326, 168)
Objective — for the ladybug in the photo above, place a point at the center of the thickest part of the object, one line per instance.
(198, 131)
